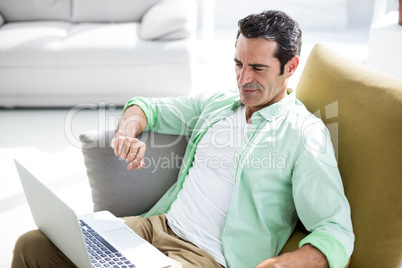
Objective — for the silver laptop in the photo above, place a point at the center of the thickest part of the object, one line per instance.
(97, 239)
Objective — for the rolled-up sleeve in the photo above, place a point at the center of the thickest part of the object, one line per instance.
(174, 115)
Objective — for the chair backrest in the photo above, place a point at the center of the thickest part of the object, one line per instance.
(363, 111)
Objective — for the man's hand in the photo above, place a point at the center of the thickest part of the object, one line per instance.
(130, 149)
(125, 143)
(306, 256)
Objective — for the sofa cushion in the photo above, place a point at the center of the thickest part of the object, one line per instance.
(110, 10)
(31, 43)
(26, 10)
(123, 192)
(83, 44)
(182, 33)
(166, 17)
(89, 59)
(365, 109)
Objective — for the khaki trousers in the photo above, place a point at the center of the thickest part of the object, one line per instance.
(33, 249)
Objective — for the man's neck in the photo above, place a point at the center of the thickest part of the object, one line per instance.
(251, 110)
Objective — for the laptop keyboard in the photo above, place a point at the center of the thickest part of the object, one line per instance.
(101, 253)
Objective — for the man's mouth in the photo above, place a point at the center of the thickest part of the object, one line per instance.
(248, 90)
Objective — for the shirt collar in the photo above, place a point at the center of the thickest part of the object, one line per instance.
(273, 110)
(236, 103)
(278, 108)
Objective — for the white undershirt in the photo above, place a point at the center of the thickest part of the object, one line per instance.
(200, 210)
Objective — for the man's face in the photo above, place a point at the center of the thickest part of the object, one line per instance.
(257, 73)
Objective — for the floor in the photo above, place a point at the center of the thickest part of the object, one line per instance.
(46, 140)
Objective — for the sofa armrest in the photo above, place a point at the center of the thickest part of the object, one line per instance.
(127, 193)
(169, 16)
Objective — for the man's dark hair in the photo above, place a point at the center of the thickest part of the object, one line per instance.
(275, 26)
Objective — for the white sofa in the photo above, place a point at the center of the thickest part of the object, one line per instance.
(69, 52)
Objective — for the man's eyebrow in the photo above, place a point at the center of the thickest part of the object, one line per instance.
(255, 65)
(258, 65)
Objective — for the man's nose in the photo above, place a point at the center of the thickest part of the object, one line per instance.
(245, 76)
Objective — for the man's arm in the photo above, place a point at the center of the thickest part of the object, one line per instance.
(319, 196)
(125, 143)
(306, 256)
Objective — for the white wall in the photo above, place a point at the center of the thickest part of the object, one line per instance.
(361, 11)
(311, 14)
(214, 15)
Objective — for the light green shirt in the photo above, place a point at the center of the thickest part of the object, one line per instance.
(286, 170)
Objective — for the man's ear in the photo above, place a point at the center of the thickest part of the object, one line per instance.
(291, 66)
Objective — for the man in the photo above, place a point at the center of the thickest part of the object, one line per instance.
(242, 214)
(253, 166)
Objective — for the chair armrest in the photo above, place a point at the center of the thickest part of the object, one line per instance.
(127, 193)
(169, 16)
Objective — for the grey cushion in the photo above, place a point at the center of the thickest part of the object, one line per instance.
(127, 193)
